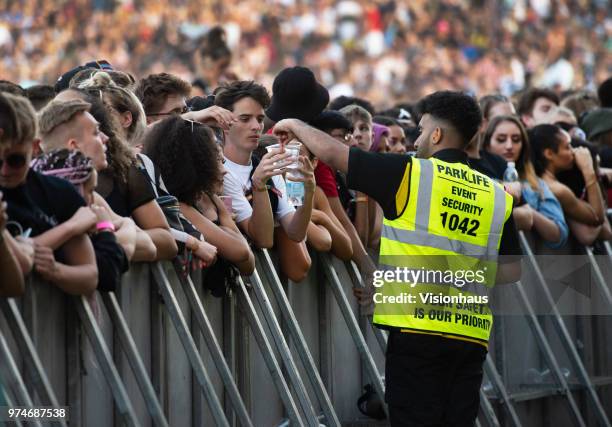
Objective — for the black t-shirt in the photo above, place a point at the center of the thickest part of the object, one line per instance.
(489, 164)
(110, 259)
(42, 202)
(125, 198)
(379, 175)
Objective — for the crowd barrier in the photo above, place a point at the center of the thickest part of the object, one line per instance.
(161, 351)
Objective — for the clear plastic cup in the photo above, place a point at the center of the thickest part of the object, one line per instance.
(293, 148)
(295, 190)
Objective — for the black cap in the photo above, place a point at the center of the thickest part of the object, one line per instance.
(296, 94)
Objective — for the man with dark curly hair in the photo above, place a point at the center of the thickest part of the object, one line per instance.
(445, 225)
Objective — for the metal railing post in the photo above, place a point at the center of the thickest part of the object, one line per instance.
(120, 396)
(565, 336)
(129, 347)
(487, 410)
(283, 350)
(191, 349)
(601, 282)
(497, 382)
(215, 350)
(15, 382)
(299, 340)
(353, 327)
(30, 356)
(380, 335)
(268, 354)
(9, 402)
(545, 347)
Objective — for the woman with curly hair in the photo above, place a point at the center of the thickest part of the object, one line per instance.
(191, 167)
(124, 186)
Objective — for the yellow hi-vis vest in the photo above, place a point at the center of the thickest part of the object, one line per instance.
(438, 259)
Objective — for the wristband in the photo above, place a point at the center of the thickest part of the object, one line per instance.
(105, 226)
(361, 199)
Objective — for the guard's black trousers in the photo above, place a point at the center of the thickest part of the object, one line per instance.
(432, 381)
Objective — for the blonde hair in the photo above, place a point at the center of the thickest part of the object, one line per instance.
(120, 99)
(56, 113)
(21, 126)
(120, 78)
(355, 112)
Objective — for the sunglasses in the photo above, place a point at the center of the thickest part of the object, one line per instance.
(14, 161)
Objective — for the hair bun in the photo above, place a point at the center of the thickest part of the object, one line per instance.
(100, 78)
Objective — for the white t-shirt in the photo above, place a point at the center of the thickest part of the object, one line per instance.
(237, 182)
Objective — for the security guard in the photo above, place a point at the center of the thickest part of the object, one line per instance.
(444, 229)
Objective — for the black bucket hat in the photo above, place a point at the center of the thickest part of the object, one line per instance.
(296, 94)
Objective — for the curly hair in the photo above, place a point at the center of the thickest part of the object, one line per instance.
(119, 156)
(187, 157)
(460, 110)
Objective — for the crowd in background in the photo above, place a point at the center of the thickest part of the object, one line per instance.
(384, 51)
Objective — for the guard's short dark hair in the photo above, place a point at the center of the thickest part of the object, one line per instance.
(226, 96)
(40, 95)
(154, 89)
(604, 92)
(342, 101)
(530, 96)
(460, 110)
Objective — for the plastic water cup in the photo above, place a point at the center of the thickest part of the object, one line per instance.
(293, 149)
(295, 190)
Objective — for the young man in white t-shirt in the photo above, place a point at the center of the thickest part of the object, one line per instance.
(247, 100)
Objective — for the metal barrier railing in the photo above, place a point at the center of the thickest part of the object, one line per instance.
(267, 309)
